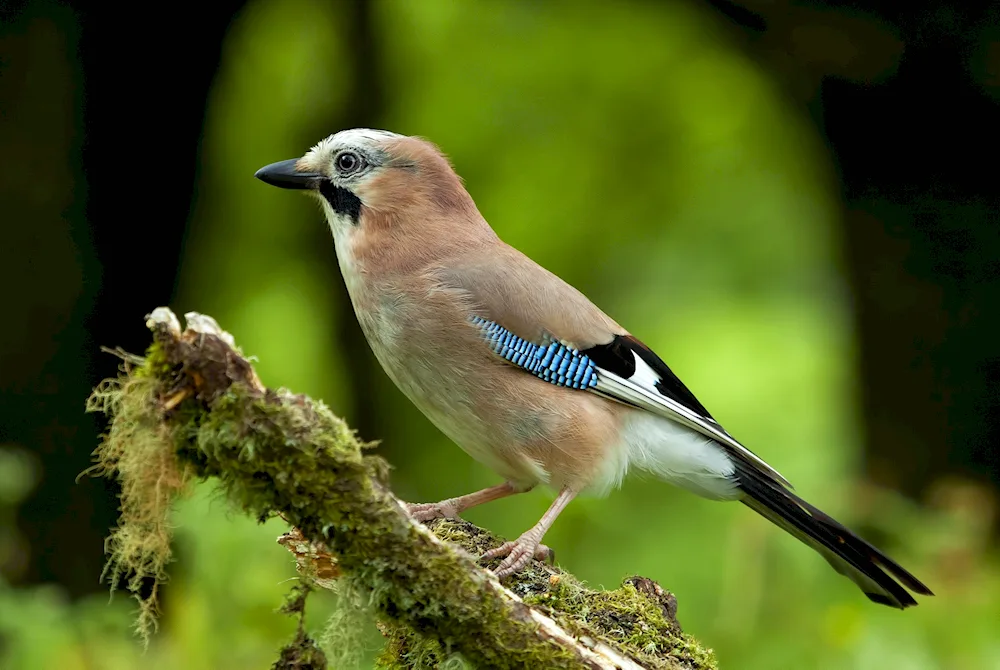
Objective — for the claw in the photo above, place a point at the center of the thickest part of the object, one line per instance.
(545, 554)
(424, 512)
(517, 555)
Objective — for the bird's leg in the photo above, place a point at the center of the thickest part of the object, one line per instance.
(452, 507)
(520, 552)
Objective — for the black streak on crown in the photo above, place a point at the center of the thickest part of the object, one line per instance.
(343, 201)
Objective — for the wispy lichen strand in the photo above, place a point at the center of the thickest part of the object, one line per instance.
(138, 452)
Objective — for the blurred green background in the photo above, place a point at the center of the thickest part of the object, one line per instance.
(765, 193)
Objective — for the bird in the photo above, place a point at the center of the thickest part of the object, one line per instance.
(520, 369)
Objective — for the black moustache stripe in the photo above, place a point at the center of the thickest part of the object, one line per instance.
(341, 200)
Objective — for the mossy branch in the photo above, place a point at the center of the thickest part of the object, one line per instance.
(194, 408)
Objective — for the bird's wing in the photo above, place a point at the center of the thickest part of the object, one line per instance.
(536, 321)
(628, 371)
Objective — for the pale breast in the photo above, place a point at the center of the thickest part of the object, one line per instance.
(423, 357)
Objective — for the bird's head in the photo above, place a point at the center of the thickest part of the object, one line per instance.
(374, 181)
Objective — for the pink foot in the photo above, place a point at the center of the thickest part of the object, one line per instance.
(518, 555)
(446, 509)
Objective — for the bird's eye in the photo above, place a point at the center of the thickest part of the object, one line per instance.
(348, 162)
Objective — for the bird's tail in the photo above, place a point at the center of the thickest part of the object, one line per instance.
(875, 573)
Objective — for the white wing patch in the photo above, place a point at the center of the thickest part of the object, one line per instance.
(644, 376)
(640, 391)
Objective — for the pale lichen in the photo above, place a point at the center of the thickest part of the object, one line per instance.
(138, 452)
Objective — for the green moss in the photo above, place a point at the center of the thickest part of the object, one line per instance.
(302, 653)
(626, 618)
(639, 622)
(156, 364)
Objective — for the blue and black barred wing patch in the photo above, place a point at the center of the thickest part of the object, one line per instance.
(553, 361)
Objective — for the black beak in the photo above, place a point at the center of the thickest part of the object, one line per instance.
(284, 175)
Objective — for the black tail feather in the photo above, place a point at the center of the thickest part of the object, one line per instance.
(850, 555)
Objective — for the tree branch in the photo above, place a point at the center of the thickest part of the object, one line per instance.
(194, 408)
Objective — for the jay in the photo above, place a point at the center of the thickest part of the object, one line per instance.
(519, 368)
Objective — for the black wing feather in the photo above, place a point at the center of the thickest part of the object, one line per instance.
(618, 356)
(768, 499)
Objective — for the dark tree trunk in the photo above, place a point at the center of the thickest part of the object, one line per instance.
(907, 99)
(120, 153)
